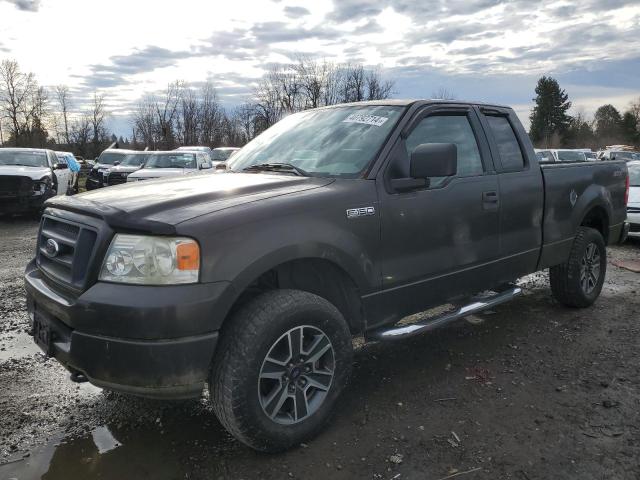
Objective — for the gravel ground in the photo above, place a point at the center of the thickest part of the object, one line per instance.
(531, 390)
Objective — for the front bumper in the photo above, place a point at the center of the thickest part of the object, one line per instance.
(93, 183)
(132, 339)
(23, 203)
(634, 223)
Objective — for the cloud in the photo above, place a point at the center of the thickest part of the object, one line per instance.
(145, 60)
(372, 26)
(296, 12)
(25, 5)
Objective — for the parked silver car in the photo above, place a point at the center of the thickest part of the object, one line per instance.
(171, 164)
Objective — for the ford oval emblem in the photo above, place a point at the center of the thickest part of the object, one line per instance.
(51, 248)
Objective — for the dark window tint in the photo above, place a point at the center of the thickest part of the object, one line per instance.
(449, 129)
(508, 147)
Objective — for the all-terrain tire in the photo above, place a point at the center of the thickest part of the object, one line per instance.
(247, 339)
(566, 279)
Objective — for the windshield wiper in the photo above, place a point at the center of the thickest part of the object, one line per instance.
(277, 167)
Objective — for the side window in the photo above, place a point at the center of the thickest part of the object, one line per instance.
(508, 146)
(454, 129)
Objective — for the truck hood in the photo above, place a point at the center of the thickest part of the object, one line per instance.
(35, 173)
(159, 205)
(148, 173)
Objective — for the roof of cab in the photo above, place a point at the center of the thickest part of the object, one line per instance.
(408, 102)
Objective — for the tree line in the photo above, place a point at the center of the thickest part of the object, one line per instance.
(553, 127)
(187, 115)
(192, 114)
(34, 116)
(183, 114)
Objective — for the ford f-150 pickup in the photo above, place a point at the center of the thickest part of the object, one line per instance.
(335, 222)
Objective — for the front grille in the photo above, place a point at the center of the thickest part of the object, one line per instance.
(11, 185)
(75, 244)
(633, 209)
(116, 178)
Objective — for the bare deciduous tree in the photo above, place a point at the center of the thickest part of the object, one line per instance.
(97, 118)
(443, 93)
(63, 99)
(17, 92)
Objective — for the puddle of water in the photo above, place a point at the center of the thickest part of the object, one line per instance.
(167, 451)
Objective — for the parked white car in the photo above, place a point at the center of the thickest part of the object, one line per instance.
(195, 148)
(590, 154)
(633, 206)
(626, 155)
(562, 155)
(28, 176)
(222, 154)
(171, 164)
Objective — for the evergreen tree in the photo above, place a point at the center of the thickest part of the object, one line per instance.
(608, 124)
(549, 117)
(580, 133)
(630, 129)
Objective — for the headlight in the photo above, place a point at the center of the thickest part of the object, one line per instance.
(41, 186)
(148, 260)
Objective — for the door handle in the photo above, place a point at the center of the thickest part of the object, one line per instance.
(490, 200)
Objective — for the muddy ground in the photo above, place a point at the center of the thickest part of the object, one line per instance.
(532, 391)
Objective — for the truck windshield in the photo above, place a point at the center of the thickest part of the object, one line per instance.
(23, 158)
(171, 160)
(221, 154)
(339, 141)
(109, 158)
(134, 159)
(571, 156)
(634, 175)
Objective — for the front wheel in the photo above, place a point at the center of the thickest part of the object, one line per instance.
(281, 364)
(578, 282)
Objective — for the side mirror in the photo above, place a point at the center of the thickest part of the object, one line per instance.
(60, 166)
(434, 160)
(116, 163)
(205, 166)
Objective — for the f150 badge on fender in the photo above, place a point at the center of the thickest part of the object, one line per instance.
(360, 212)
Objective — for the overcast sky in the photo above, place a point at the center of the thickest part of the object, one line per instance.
(487, 50)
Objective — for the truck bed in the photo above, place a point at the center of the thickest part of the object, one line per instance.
(571, 189)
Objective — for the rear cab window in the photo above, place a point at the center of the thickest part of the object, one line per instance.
(506, 141)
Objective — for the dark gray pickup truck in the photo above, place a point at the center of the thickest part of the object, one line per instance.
(335, 222)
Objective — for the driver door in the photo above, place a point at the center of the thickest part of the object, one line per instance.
(62, 174)
(440, 241)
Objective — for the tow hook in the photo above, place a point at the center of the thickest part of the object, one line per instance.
(78, 377)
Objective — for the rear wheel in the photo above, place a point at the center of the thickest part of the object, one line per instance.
(281, 364)
(578, 282)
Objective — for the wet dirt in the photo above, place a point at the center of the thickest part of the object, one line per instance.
(530, 390)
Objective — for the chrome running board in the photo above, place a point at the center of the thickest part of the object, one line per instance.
(477, 305)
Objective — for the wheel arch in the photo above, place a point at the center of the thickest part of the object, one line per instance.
(326, 277)
(597, 218)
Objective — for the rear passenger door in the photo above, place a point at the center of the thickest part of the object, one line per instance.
(521, 191)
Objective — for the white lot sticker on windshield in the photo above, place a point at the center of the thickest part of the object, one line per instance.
(365, 119)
